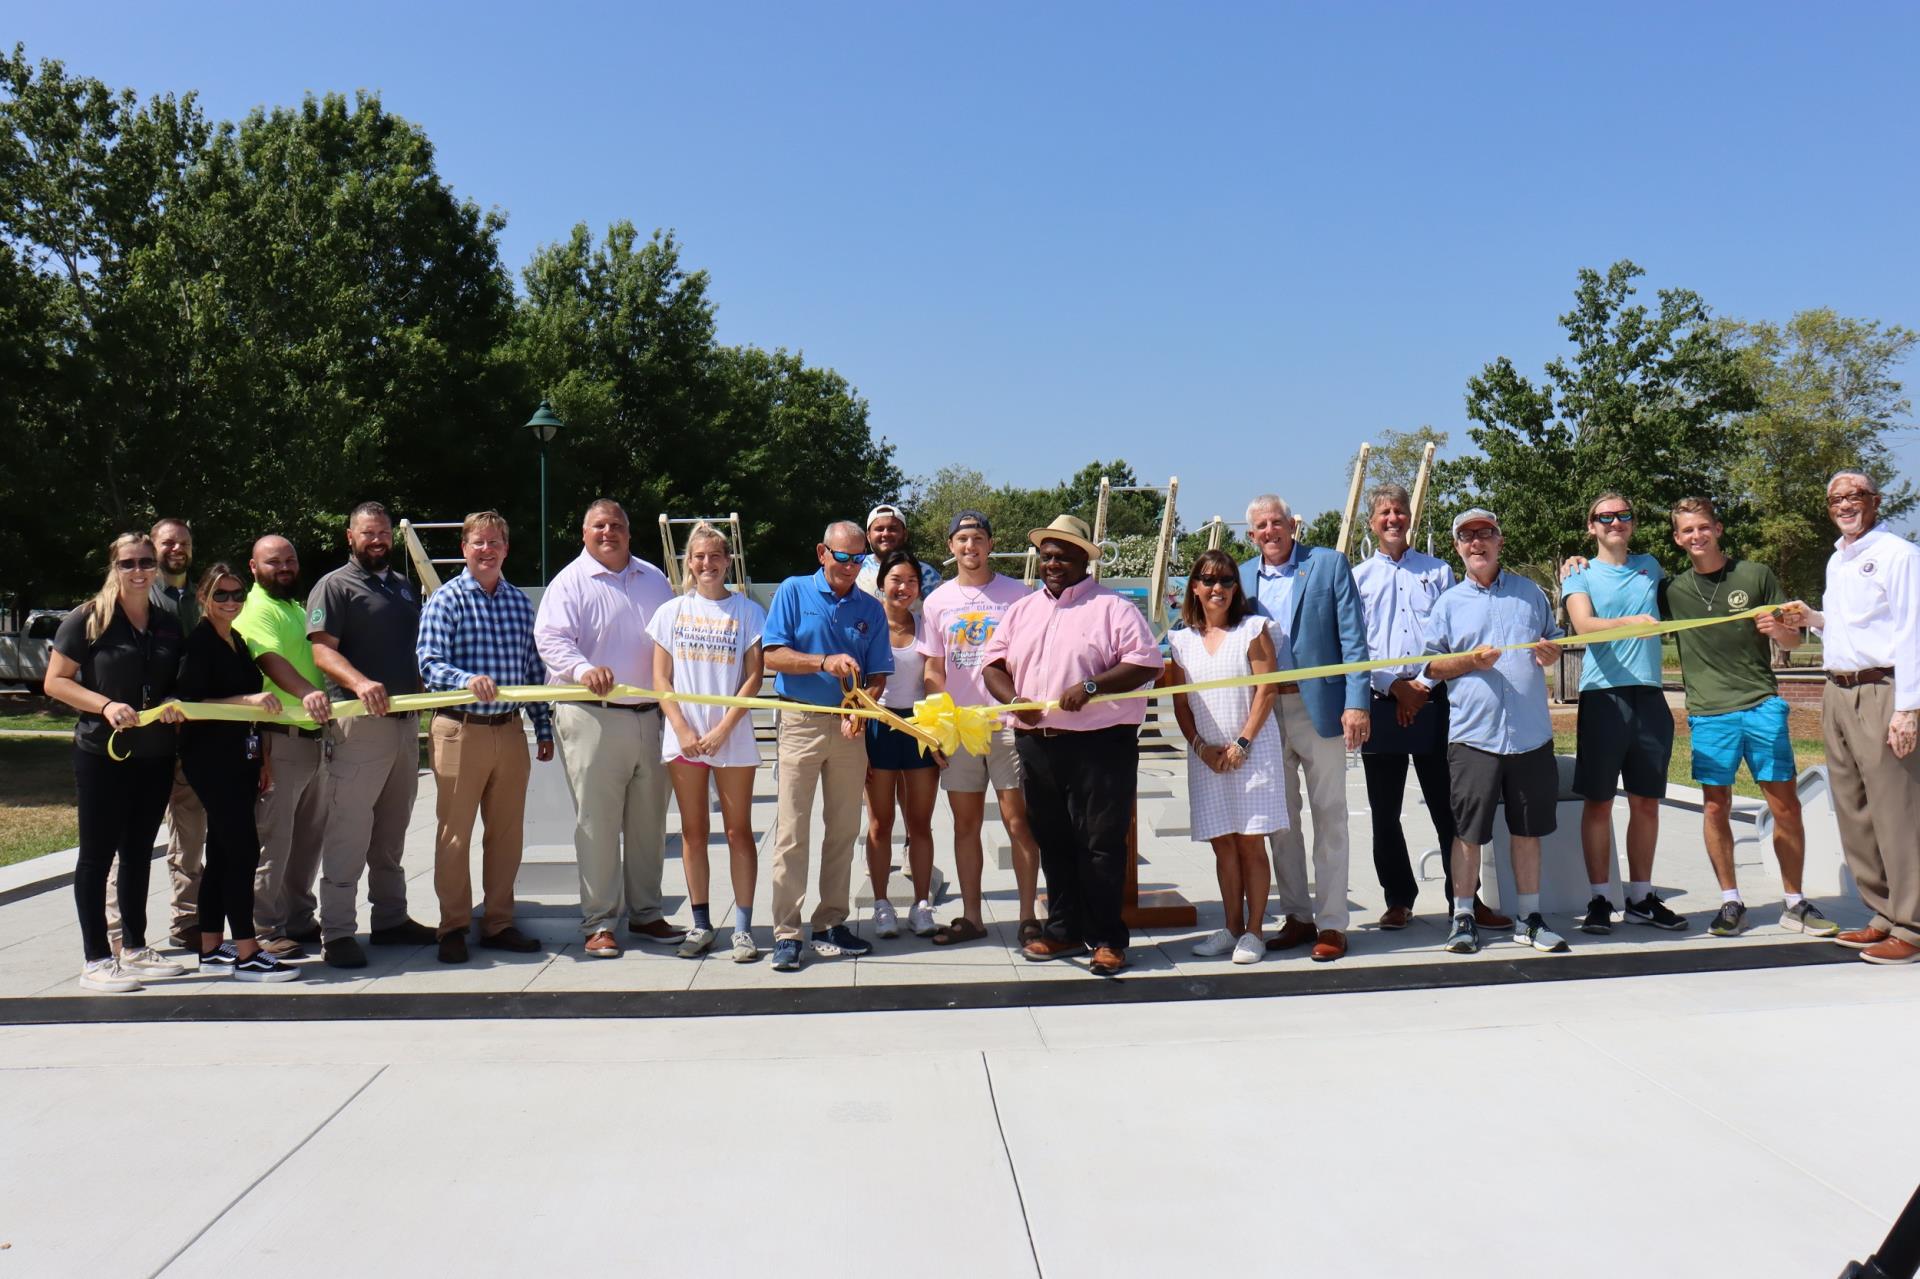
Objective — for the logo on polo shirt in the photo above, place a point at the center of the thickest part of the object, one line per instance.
(1866, 569)
(860, 626)
(318, 617)
(1737, 601)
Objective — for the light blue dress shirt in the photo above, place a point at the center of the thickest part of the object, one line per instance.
(1399, 595)
(1276, 583)
(1502, 710)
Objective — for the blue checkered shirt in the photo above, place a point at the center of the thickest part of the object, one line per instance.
(466, 632)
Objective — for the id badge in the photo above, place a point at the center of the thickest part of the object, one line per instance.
(253, 744)
(326, 747)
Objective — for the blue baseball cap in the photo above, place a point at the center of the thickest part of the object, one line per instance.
(970, 519)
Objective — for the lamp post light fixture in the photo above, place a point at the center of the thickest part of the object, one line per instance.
(544, 424)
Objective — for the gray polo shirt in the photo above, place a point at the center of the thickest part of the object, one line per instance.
(375, 619)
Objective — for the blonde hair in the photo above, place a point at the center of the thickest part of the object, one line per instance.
(100, 607)
(704, 532)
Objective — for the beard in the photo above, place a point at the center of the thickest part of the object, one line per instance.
(281, 587)
(373, 561)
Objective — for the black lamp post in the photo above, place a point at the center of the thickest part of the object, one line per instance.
(543, 424)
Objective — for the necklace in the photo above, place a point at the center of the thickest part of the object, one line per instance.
(1716, 590)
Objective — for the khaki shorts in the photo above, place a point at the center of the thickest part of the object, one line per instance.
(970, 774)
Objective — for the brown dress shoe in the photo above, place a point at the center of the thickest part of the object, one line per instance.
(1108, 962)
(1331, 944)
(603, 946)
(1044, 947)
(1862, 938)
(1891, 951)
(1295, 932)
(1487, 917)
(283, 948)
(1397, 917)
(657, 930)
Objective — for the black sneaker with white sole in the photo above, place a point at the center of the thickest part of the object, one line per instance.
(1653, 912)
(219, 962)
(1599, 917)
(260, 966)
(1731, 921)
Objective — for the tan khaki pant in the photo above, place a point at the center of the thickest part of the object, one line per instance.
(370, 789)
(812, 753)
(1324, 762)
(1876, 799)
(292, 818)
(186, 857)
(481, 770)
(619, 785)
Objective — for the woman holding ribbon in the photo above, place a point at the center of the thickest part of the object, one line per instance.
(222, 760)
(1233, 745)
(899, 773)
(113, 657)
(708, 641)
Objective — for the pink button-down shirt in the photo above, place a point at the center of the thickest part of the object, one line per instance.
(1049, 645)
(592, 616)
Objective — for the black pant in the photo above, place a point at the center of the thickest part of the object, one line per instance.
(1080, 790)
(1386, 788)
(121, 804)
(227, 783)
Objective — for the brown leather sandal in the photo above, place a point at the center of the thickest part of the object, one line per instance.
(1031, 930)
(960, 930)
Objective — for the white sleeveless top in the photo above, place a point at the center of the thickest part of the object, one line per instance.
(908, 683)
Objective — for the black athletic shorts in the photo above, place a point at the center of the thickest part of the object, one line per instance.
(1527, 783)
(1625, 735)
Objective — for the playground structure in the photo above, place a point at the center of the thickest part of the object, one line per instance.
(673, 557)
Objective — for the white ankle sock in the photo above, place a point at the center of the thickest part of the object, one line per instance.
(1731, 895)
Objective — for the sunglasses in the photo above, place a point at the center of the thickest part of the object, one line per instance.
(1608, 517)
(145, 564)
(843, 557)
(1210, 580)
(229, 597)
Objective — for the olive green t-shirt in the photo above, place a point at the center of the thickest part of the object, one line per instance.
(1727, 667)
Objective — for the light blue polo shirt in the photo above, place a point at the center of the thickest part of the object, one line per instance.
(1620, 590)
(807, 617)
(1503, 710)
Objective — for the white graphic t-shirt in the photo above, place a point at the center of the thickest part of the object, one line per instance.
(709, 641)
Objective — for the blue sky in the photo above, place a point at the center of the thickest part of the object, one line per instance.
(1227, 242)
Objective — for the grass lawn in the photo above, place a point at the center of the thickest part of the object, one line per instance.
(37, 721)
(36, 799)
(1807, 751)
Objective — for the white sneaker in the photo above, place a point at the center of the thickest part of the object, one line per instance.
(698, 939)
(885, 922)
(1249, 949)
(146, 962)
(921, 919)
(1214, 944)
(744, 951)
(105, 975)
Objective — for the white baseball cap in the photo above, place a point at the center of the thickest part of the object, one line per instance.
(1473, 514)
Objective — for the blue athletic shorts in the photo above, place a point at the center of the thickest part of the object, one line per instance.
(1757, 735)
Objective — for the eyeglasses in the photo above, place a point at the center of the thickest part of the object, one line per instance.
(145, 564)
(1210, 580)
(1468, 536)
(229, 597)
(843, 557)
(1608, 517)
(1858, 496)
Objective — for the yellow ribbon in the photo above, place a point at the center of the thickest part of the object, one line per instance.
(937, 723)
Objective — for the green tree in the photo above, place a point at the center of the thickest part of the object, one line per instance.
(1646, 405)
(1828, 401)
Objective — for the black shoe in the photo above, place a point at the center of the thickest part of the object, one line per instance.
(344, 952)
(306, 936)
(411, 933)
(453, 948)
(1599, 917)
(510, 938)
(1652, 911)
(1731, 921)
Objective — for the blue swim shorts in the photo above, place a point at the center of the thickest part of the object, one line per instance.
(1757, 735)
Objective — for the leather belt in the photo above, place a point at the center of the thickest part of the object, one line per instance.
(627, 706)
(1853, 679)
(288, 730)
(474, 717)
(1284, 689)
(1042, 732)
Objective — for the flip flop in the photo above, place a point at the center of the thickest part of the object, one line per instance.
(960, 930)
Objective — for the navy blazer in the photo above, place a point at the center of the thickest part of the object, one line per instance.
(1329, 626)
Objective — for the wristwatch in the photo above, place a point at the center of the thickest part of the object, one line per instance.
(1246, 747)
(1092, 687)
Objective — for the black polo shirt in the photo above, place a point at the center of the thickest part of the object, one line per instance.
(123, 665)
(375, 620)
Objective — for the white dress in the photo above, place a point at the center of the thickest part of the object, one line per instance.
(1250, 800)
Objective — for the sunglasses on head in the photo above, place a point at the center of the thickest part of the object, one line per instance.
(145, 564)
(1209, 579)
(1608, 517)
(229, 597)
(844, 557)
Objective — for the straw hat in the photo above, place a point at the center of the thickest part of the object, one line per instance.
(1071, 529)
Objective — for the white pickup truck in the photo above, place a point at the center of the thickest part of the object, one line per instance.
(23, 654)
